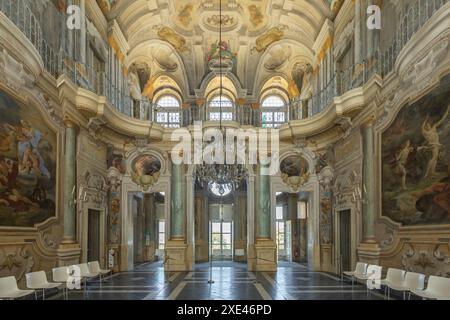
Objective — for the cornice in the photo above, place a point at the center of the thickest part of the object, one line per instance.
(95, 14)
(351, 102)
(324, 39)
(118, 40)
(19, 46)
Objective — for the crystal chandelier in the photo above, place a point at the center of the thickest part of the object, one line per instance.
(223, 175)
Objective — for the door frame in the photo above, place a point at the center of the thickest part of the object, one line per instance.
(337, 233)
(221, 238)
(90, 213)
(85, 234)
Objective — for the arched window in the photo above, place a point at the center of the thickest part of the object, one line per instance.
(216, 104)
(273, 110)
(168, 112)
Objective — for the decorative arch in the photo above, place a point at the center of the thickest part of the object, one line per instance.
(304, 53)
(236, 86)
(143, 53)
(277, 85)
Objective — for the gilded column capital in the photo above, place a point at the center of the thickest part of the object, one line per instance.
(70, 124)
(368, 123)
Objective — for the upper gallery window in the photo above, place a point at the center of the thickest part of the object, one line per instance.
(224, 103)
(168, 112)
(273, 111)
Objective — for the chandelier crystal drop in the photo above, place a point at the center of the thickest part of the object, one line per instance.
(221, 174)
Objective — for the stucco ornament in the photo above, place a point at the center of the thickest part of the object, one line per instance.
(146, 170)
(295, 183)
(294, 172)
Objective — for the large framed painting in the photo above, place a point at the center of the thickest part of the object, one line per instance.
(27, 165)
(416, 161)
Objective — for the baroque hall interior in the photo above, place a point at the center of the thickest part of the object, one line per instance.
(159, 149)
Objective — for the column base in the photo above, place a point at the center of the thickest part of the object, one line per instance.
(201, 251)
(68, 254)
(326, 258)
(149, 253)
(262, 256)
(123, 258)
(369, 252)
(178, 256)
(240, 247)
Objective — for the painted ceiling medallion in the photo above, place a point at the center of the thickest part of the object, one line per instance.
(165, 59)
(255, 15)
(170, 36)
(279, 56)
(226, 20)
(273, 35)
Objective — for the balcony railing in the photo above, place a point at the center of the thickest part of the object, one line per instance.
(57, 61)
(419, 12)
(21, 15)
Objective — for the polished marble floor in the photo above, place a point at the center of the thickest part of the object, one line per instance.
(231, 281)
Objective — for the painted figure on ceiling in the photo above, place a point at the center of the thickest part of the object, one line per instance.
(185, 15)
(256, 16)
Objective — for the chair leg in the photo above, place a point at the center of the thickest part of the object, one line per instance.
(389, 293)
(43, 294)
(35, 295)
(404, 295)
(409, 296)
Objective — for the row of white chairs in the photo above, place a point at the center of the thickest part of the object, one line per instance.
(403, 281)
(61, 276)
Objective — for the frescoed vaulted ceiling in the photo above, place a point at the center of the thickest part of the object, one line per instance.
(269, 37)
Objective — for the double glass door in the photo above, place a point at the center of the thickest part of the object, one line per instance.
(221, 240)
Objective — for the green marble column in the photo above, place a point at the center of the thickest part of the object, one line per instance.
(177, 203)
(263, 208)
(149, 209)
(70, 180)
(368, 192)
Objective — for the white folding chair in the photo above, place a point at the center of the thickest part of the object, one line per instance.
(94, 267)
(61, 275)
(413, 281)
(437, 288)
(360, 270)
(85, 274)
(9, 289)
(394, 280)
(372, 278)
(38, 281)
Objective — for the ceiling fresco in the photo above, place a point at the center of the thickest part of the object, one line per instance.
(266, 36)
